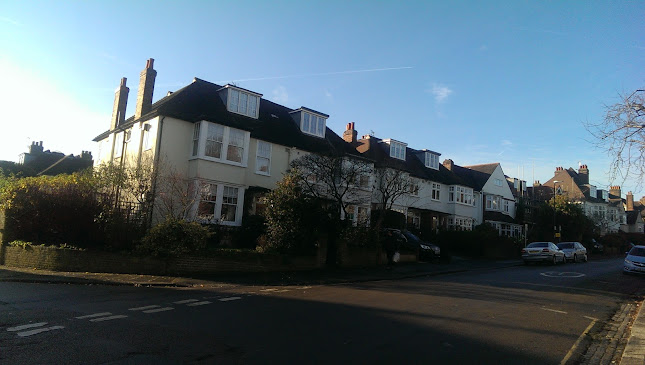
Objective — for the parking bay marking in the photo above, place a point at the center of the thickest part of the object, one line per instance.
(565, 274)
(229, 299)
(101, 319)
(102, 314)
(553, 310)
(26, 326)
(159, 310)
(39, 330)
(186, 301)
(144, 308)
(195, 304)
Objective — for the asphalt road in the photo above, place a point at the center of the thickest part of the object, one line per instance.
(523, 315)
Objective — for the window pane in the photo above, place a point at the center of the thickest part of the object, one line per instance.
(253, 106)
(234, 95)
(234, 153)
(264, 149)
(242, 106)
(262, 164)
(229, 204)
(305, 123)
(236, 137)
(321, 126)
(213, 149)
(215, 132)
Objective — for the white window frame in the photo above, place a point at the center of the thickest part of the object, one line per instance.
(397, 150)
(118, 144)
(414, 187)
(506, 206)
(432, 160)
(146, 136)
(435, 193)
(320, 124)
(498, 182)
(251, 106)
(195, 144)
(259, 157)
(414, 218)
(220, 190)
(226, 144)
(461, 195)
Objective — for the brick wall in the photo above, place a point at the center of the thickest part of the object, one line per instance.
(72, 260)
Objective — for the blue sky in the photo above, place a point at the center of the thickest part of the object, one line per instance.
(479, 82)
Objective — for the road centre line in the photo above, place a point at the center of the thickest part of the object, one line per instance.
(195, 304)
(159, 310)
(144, 308)
(26, 326)
(102, 314)
(229, 299)
(101, 319)
(577, 343)
(39, 330)
(553, 310)
(186, 301)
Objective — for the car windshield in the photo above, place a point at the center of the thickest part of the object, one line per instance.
(637, 251)
(565, 245)
(538, 244)
(411, 236)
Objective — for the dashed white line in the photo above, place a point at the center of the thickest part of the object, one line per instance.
(94, 315)
(159, 310)
(553, 310)
(25, 326)
(229, 299)
(186, 301)
(195, 304)
(267, 290)
(39, 330)
(591, 318)
(144, 308)
(101, 319)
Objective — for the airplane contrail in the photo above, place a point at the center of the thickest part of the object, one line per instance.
(320, 74)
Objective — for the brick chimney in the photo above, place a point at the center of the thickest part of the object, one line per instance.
(583, 175)
(615, 190)
(120, 104)
(449, 164)
(146, 89)
(629, 202)
(350, 135)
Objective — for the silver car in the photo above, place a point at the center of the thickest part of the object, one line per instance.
(543, 252)
(635, 261)
(574, 251)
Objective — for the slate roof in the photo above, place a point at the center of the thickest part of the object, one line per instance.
(632, 216)
(375, 149)
(498, 217)
(200, 100)
(475, 176)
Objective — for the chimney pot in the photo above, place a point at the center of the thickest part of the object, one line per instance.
(350, 134)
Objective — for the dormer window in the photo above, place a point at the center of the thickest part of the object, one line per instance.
(241, 101)
(432, 160)
(397, 149)
(310, 121)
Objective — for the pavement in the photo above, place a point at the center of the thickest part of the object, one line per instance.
(634, 353)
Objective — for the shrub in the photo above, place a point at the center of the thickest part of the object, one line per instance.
(174, 237)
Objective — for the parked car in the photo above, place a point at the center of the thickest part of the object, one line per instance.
(635, 261)
(597, 247)
(543, 252)
(407, 239)
(574, 251)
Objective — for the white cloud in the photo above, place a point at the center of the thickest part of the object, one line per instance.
(440, 92)
(10, 21)
(506, 142)
(280, 95)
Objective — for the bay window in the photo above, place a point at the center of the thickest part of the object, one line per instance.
(220, 203)
(220, 143)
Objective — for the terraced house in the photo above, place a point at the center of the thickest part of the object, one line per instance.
(226, 143)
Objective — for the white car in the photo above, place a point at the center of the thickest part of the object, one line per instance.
(574, 251)
(635, 261)
(544, 252)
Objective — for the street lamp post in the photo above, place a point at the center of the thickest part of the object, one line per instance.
(555, 229)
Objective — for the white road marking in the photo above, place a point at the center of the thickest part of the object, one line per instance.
(118, 316)
(198, 303)
(144, 308)
(95, 315)
(40, 330)
(186, 301)
(159, 310)
(565, 274)
(553, 310)
(575, 345)
(229, 299)
(266, 290)
(304, 287)
(25, 326)
(591, 318)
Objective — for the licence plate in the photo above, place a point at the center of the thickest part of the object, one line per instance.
(534, 252)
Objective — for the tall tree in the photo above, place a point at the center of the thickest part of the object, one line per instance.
(621, 134)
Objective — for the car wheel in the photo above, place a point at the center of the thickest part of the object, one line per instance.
(564, 259)
(555, 260)
(575, 258)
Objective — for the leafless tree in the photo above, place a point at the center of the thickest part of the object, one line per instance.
(339, 179)
(390, 186)
(621, 134)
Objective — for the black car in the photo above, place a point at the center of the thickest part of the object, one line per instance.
(408, 240)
